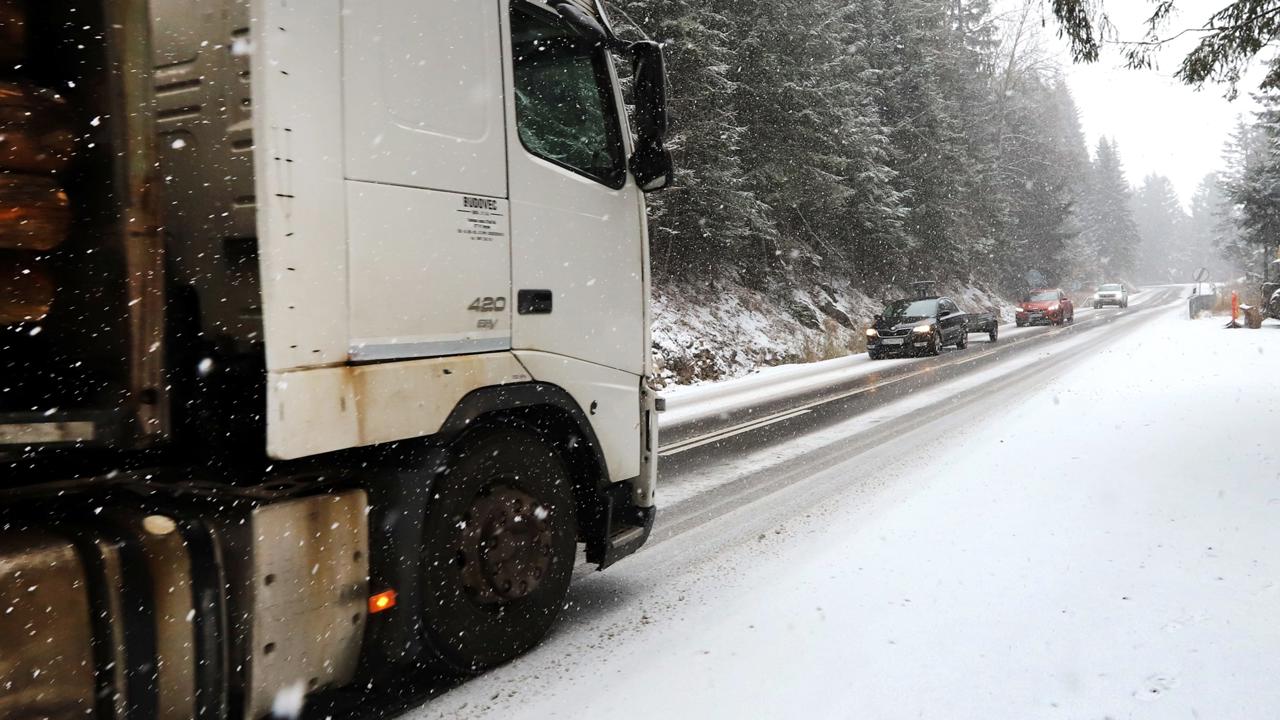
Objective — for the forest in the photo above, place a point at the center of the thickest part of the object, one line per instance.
(1232, 226)
(890, 140)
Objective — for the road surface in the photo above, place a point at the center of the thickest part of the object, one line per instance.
(695, 413)
(1086, 529)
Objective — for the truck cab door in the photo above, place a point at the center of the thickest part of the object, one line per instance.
(425, 159)
(578, 257)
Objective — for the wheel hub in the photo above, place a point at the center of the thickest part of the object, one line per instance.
(505, 547)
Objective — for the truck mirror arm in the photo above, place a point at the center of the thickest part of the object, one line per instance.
(594, 28)
(582, 21)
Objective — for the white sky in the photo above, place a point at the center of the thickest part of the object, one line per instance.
(1161, 125)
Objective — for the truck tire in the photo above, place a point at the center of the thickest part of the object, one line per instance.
(498, 548)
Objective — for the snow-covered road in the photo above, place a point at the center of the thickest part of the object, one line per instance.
(699, 411)
(1091, 536)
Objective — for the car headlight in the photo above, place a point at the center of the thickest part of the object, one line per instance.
(923, 328)
(1053, 307)
(872, 332)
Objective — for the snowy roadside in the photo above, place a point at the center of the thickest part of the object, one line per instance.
(725, 331)
(1096, 560)
(696, 483)
(690, 403)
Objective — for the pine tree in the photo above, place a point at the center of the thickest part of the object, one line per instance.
(1164, 254)
(1211, 228)
(710, 216)
(1080, 259)
(1039, 159)
(812, 140)
(930, 90)
(1041, 181)
(1254, 187)
(872, 222)
(1107, 216)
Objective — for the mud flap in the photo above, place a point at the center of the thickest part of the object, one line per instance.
(624, 526)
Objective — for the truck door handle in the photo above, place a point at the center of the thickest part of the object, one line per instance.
(533, 302)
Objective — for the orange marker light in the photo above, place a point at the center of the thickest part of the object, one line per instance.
(382, 601)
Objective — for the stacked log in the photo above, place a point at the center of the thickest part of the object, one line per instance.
(26, 289)
(37, 141)
(35, 130)
(34, 213)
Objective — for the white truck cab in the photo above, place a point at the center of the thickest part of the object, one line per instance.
(451, 190)
(382, 287)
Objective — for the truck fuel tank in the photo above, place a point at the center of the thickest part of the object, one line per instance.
(118, 611)
(46, 666)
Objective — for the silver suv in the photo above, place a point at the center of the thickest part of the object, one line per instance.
(1111, 294)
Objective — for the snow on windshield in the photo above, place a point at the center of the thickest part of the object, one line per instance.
(917, 308)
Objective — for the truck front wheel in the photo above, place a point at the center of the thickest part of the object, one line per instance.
(499, 543)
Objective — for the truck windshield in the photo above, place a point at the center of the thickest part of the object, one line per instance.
(565, 111)
(909, 308)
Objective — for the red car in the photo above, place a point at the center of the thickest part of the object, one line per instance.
(1047, 305)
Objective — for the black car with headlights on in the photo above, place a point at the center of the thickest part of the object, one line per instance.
(911, 327)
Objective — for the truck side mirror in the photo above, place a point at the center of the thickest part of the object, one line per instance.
(651, 161)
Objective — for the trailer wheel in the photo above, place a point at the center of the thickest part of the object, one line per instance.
(499, 544)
